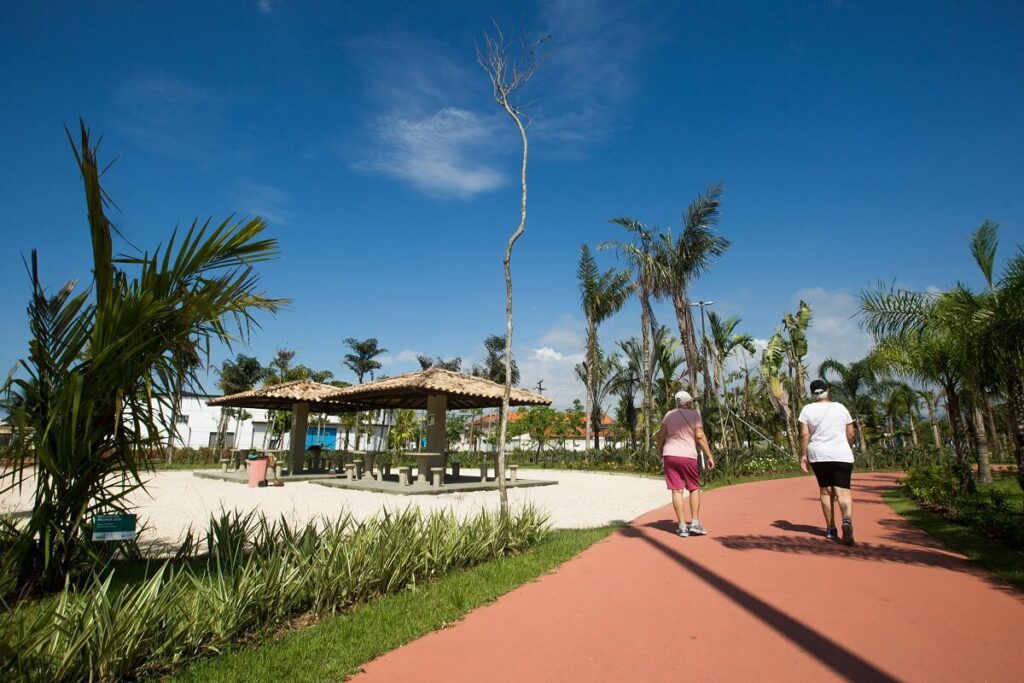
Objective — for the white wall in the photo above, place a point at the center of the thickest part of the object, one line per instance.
(197, 422)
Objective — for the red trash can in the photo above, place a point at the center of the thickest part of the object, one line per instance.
(257, 470)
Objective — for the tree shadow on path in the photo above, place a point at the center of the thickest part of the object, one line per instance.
(828, 652)
(926, 554)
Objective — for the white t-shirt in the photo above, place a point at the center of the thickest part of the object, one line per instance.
(826, 421)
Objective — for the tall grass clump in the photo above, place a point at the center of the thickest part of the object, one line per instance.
(257, 577)
(992, 510)
(89, 401)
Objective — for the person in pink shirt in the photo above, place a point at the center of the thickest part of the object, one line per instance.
(681, 432)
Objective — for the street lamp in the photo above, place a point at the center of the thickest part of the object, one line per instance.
(703, 339)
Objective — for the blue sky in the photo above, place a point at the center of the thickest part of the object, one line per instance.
(858, 142)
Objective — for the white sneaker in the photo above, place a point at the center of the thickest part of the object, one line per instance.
(683, 530)
(697, 529)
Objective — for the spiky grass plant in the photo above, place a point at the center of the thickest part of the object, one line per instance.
(89, 401)
(258, 576)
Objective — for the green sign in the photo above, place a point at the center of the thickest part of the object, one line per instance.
(113, 527)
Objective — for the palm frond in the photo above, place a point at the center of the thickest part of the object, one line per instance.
(984, 243)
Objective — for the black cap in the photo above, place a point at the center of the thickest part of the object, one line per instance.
(818, 386)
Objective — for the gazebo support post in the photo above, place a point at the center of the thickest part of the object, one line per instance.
(300, 423)
(437, 435)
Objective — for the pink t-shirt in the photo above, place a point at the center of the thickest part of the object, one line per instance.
(680, 427)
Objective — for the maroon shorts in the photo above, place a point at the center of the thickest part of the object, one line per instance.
(681, 473)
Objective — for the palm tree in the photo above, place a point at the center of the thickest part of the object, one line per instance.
(849, 383)
(899, 399)
(602, 374)
(684, 260)
(644, 267)
(931, 402)
(626, 381)
(362, 362)
(602, 294)
(723, 342)
(452, 364)
(238, 375)
(362, 359)
(665, 374)
(494, 365)
(917, 337)
(967, 339)
(91, 397)
(796, 326)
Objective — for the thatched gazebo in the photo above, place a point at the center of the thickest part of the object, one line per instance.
(298, 396)
(436, 391)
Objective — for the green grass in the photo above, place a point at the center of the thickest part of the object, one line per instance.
(338, 646)
(1007, 486)
(990, 554)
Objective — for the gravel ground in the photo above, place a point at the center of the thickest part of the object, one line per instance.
(175, 500)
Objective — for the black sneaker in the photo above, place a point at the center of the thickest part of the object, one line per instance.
(847, 532)
(831, 533)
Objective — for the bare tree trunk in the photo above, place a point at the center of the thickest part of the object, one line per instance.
(684, 319)
(589, 390)
(645, 323)
(994, 443)
(934, 422)
(860, 429)
(959, 447)
(913, 428)
(1015, 402)
(977, 426)
(507, 76)
(172, 433)
(502, 492)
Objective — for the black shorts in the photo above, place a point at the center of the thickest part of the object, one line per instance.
(833, 473)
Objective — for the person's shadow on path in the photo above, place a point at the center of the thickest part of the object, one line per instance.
(666, 525)
(786, 525)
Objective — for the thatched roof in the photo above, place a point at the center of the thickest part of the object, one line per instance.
(411, 391)
(283, 396)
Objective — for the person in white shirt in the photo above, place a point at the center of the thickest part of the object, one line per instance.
(826, 434)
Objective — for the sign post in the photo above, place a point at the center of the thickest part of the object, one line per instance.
(113, 527)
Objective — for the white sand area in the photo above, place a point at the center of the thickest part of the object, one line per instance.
(175, 500)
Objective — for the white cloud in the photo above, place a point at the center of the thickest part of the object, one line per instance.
(266, 201)
(170, 115)
(568, 334)
(439, 155)
(834, 331)
(558, 372)
(403, 357)
(264, 6)
(432, 128)
(741, 359)
(596, 46)
(548, 355)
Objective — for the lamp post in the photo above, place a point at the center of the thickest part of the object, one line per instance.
(703, 341)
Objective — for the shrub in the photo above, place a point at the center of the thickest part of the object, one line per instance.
(257, 577)
(986, 510)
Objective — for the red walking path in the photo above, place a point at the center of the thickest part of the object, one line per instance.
(765, 597)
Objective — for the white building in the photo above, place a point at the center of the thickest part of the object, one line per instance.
(198, 424)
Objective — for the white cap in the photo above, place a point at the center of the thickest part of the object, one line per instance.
(683, 397)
